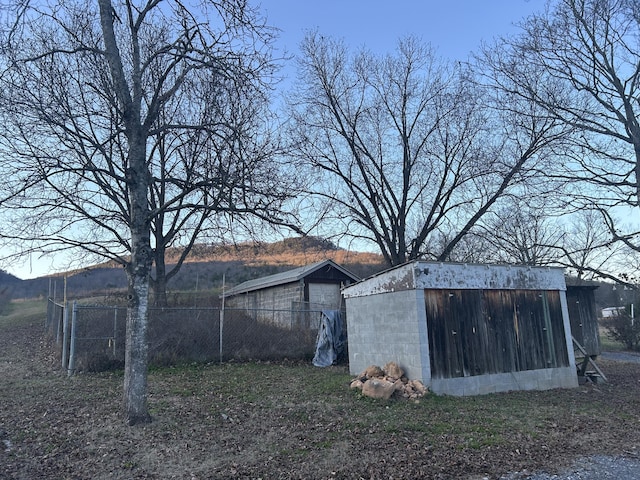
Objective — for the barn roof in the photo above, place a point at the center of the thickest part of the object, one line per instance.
(289, 276)
(421, 274)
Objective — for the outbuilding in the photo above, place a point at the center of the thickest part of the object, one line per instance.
(464, 329)
(279, 298)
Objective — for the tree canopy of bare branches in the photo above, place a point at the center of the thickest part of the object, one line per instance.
(407, 152)
(129, 127)
(580, 61)
(521, 234)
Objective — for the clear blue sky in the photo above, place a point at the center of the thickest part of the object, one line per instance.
(454, 27)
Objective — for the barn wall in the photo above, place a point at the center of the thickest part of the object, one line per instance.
(325, 294)
(478, 332)
(484, 341)
(388, 327)
(270, 305)
(583, 316)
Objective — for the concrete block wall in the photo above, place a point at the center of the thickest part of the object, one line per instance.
(270, 305)
(280, 297)
(388, 327)
(244, 300)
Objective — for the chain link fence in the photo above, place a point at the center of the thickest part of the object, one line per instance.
(92, 337)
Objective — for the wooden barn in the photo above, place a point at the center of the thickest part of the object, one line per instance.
(464, 329)
(279, 298)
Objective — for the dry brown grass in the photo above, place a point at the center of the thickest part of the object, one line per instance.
(289, 421)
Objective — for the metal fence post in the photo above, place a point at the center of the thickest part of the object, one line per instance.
(46, 318)
(222, 314)
(221, 328)
(59, 326)
(65, 334)
(115, 329)
(72, 349)
(49, 319)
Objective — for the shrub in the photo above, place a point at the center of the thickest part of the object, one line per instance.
(622, 328)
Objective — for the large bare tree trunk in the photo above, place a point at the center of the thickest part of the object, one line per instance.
(160, 282)
(136, 353)
(138, 271)
(138, 179)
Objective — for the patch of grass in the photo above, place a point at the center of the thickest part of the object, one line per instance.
(23, 312)
(182, 392)
(608, 344)
(325, 444)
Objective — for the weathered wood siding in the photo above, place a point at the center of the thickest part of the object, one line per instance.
(477, 332)
(583, 317)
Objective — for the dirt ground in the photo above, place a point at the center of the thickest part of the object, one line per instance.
(53, 427)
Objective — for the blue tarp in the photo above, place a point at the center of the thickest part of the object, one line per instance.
(331, 339)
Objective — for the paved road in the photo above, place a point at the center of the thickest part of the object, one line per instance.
(622, 356)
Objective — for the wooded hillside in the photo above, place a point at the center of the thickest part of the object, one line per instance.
(206, 266)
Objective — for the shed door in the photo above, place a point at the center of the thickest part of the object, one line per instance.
(326, 295)
(476, 332)
(584, 320)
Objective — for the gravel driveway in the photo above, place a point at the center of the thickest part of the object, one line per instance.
(599, 467)
(596, 467)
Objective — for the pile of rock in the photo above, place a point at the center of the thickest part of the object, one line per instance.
(379, 382)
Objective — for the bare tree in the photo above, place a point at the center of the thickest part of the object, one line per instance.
(587, 249)
(580, 61)
(540, 234)
(521, 234)
(126, 127)
(405, 150)
(233, 165)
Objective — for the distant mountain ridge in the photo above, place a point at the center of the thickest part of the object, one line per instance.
(205, 267)
(295, 251)
(6, 279)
